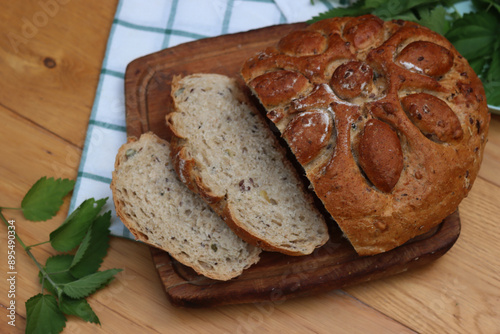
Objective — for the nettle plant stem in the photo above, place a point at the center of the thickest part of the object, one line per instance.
(82, 241)
(27, 249)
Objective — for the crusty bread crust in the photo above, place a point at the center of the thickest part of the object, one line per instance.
(140, 195)
(404, 119)
(189, 171)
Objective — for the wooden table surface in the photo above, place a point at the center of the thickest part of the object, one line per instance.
(48, 77)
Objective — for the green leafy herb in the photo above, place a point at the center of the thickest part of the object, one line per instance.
(493, 72)
(89, 284)
(492, 89)
(487, 4)
(72, 231)
(91, 259)
(435, 19)
(396, 9)
(475, 35)
(69, 277)
(82, 249)
(43, 315)
(79, 308)
(57, 267)
(45, 198)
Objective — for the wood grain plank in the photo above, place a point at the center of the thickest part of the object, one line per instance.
(51, 60)
(31, 153)
(28, 153)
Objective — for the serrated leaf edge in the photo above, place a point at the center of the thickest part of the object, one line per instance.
(89, 291)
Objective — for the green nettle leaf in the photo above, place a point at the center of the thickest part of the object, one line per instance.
(435, 19)
(57, 267)
(84, 245)
(78, 307)
(69, 277)
(474, 34)
(393, 9)
(478, 65)
(72, 231)
(416, 3)
(89, 284)
(406, 16)
(496, 5)
(93, 256)
(45, 197)
(43, 316)
(492, 89)
(493, 73)
(474, 46)
(375, 3)
(486, 4)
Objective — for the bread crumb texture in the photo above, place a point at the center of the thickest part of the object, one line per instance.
(159, 210)
(239, 160)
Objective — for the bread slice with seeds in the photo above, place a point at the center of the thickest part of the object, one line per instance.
(223, 150)
(159, 210)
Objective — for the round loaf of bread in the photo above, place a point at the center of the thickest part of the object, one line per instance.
(387, 119)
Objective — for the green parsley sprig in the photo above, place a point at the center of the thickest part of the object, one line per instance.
(475, 35)
(72, 276)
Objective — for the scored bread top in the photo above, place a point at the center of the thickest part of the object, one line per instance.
(159, 210)
(224, 150)
(388, 120)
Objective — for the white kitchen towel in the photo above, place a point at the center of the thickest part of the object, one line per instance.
(143, 27)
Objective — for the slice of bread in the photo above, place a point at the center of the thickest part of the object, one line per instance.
(223, 150)
(159, 210)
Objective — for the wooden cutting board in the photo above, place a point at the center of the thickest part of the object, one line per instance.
(276, 277)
